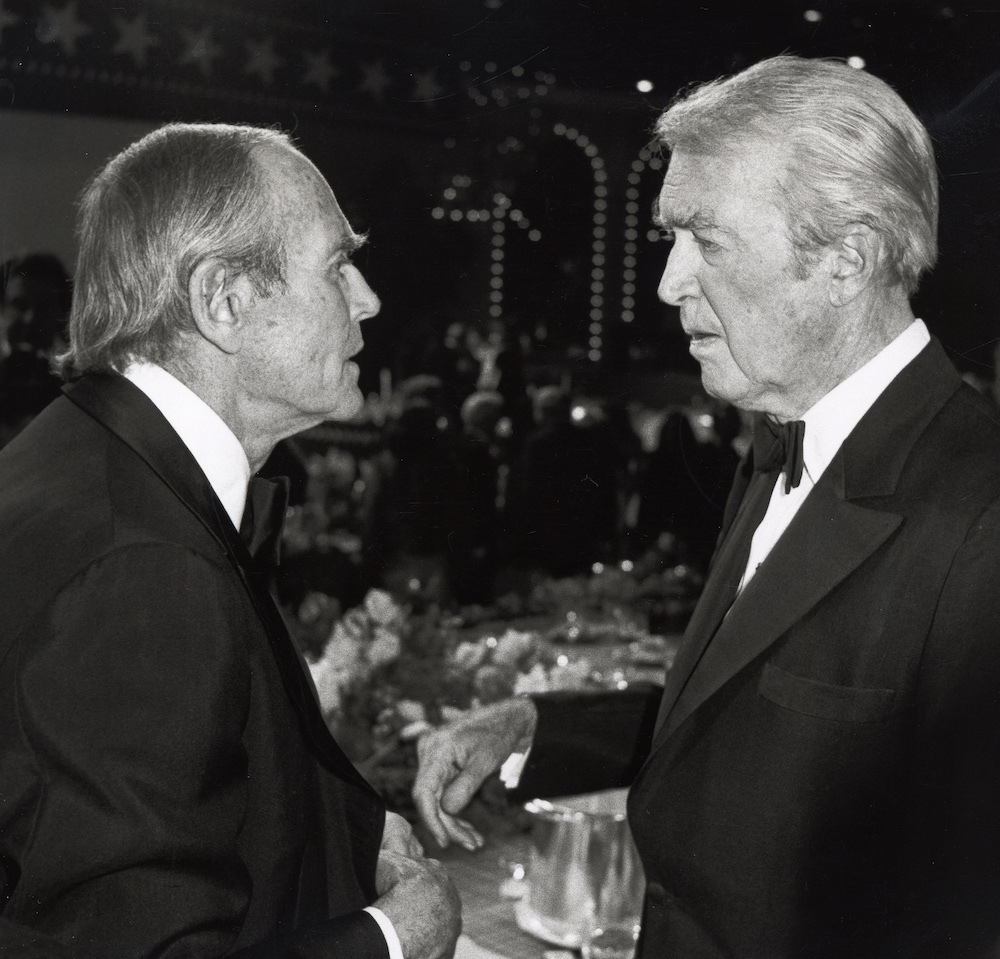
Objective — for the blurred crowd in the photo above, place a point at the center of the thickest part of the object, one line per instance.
(469, 480)
(466, 480)
(35, 295)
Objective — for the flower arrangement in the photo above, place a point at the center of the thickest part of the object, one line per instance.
(386, 675)
(388, 671)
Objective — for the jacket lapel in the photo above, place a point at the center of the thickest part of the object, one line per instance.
(725, 572)
(830, 536)
(127, 412)
(769, 606)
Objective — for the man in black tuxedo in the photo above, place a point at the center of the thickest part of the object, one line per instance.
(820, 775)
(167, 785)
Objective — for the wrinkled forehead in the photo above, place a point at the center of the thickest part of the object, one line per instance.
(680, 198)
(303, 196)
(699, 184)
(294, 180)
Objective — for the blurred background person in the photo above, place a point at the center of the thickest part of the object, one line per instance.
(37, 293)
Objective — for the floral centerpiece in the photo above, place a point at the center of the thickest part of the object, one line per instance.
(386, 675)
(388, 671)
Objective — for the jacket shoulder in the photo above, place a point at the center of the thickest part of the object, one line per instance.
(72, 492)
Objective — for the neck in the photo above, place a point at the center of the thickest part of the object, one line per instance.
(221, 390)
(858, 338)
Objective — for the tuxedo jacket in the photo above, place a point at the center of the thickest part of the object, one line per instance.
(824, 778)
(167, 785)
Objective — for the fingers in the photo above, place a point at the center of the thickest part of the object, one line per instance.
(464, 784)
(435, 771)
(445, 828)
(462, 832)
(397, 836)
(387, 871)
(422, 904)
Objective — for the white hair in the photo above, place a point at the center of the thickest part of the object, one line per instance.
(856, 154)
(156, 210)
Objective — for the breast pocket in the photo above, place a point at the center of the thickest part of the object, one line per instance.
(848, 704)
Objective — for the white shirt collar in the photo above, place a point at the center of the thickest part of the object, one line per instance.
(830, 421)
(213, 445)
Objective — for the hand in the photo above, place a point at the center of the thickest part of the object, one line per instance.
(397, 836)
(420, 900)
(455, 760)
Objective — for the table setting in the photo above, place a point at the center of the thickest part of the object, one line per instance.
(555, 878)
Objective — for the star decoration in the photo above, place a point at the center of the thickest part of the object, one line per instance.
(262, 60)
(134, 39)
(375, 79)
(200, 48)
(62, 26)
(426, 87)
(319, 69)
(7, 19)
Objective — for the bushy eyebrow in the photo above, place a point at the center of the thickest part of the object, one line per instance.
(352, 242)
(698, 220)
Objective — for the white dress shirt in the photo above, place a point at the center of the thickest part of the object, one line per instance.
(217, 451)
(828, 423)
(224, 462)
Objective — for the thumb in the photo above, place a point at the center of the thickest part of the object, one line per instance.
(387, 873)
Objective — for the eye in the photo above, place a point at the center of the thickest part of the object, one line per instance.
(706, 245)
(340, 264)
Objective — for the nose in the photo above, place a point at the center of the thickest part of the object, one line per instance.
(679, 280)
(364, 301)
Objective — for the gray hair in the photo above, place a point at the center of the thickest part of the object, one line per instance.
(181, 194)
(856, 154)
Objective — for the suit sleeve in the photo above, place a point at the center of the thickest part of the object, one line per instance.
(955, 829)
(588, 741)
(131, 700)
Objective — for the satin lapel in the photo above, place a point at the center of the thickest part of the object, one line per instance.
(707, 612)
(769, 605)
(831, 535)
(128, 413)
(741, 481)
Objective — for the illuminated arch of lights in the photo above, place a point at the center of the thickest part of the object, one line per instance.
(503, 212)
(649, 159)
(599, 233)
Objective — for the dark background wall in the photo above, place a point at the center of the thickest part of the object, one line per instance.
(436, 121)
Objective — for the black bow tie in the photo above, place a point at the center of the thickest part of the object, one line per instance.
(264, 518)
(778, 446)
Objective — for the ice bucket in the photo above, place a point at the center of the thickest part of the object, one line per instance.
(583, 872)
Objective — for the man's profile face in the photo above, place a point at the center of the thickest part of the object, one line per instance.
(755, 328)
(307, 331)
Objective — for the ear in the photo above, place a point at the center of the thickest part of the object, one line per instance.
(853, 263)
(219, 298)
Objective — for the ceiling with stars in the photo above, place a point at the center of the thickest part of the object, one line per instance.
(420, 59)
(528, 103)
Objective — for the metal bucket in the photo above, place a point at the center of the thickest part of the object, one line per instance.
(584, 873)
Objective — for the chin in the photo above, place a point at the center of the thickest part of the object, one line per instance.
(347, 406)
(724, 388)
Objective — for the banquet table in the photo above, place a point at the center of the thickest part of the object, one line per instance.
(488, 879)
(489, 929)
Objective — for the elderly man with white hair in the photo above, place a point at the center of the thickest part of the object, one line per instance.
(820, 775)
(167, 785)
